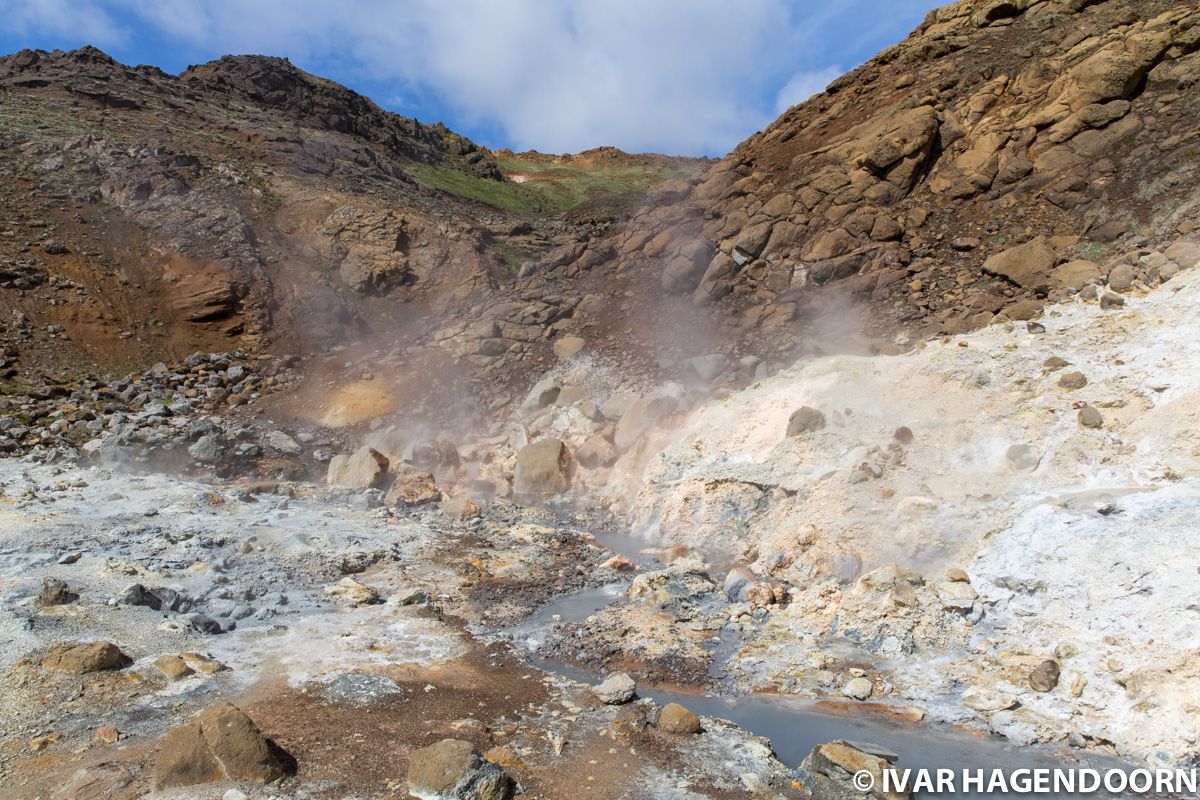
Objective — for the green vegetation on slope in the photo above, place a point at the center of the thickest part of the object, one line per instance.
(553, 187)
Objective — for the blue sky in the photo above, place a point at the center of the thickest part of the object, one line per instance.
(690, 77)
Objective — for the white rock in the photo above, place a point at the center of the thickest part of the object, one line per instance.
(616, 689)
(858, 688)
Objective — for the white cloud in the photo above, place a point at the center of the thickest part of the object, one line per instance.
(683, 76)
(60, 18)
(804, 85)
(676, 75)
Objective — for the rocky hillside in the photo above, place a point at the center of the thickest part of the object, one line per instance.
(245, 203)
(879, 430)
(1001, 157)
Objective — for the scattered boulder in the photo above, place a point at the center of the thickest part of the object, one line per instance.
(222, 743)
(1072, 380)
(567, 346)
(174, 667)
(1023, 457)
(365, 468)
(830, 771)
(56, 593)
(543, 469)
(1023, 309)
(619, 563)
(805, 419)
(542, 395)
(1109, 231)
(453, 769)
(205, 665)
(629, 722)
(616, 689)
(684, 269)
(1120, 278)
(1044, 677)
(570, 395)
(858, 688)
(738, 582)
(1090, 417)
(1027, 265)
(412, 487)
(461, 507)
(80, 659)
(674, 718)
(1184, 254)
(354, 593)
(1075, 274)
(505, 757)
(159, 598)
(957, 595)
(596, 452)
(282, 443)
(761, 595)
(904, 595)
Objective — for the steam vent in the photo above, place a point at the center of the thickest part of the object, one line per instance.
(346, 456)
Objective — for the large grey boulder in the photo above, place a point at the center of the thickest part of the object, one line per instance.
(805, 419)
(542, 395)
(682, 271)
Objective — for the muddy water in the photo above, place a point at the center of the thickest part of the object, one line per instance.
(795, 726)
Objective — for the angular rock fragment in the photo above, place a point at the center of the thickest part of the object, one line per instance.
(222, 743)
(543, 469)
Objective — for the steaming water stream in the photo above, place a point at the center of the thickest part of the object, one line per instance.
(795, 725)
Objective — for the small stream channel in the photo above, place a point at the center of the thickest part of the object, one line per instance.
(796, 725)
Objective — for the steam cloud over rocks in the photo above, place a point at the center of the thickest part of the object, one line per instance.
(344, 456)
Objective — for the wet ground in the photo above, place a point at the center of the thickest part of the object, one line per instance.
(349, 689)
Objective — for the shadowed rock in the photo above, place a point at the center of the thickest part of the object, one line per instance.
(453, 769)
(222, 743)
(80, 659)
